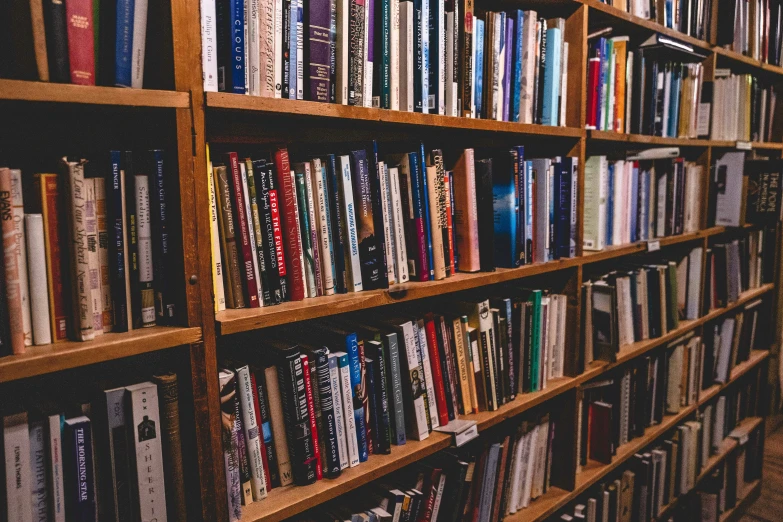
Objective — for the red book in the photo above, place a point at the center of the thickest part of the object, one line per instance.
(245, 251)
(500, 479)
(47, 187)
(593, 68)
(290, 225)
(600, 425)
(319, 473)
(437, 373)
(13, 276)
(449, 243)
(257, 407)
(81, 41)
(430, 490)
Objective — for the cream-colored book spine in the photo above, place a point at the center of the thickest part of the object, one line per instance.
(93, 259)
(39, 294)
(17, 202)
(103, 255)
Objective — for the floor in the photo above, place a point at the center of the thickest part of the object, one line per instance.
(768, 507)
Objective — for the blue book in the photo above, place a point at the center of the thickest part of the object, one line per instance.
(551, 109)
(78, 478)
(674, 106)
(516, 86)
(359, 394)
(634, 202)
(479, 71)
(603, 52)
(123, 50)
(644, 202)
(426, 200)
(164, 302)
(231, 32)
(335, 218)
(529, 197)
(610, 204)
(562, 189)
(425, 56)
(294, 20)
(504, 211)
(519, 197)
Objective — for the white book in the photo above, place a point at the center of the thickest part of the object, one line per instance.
(214, 236)
(278, 426)
(561, 332)
(516, 475)
(426, 366)
(388, 229)
(339, 416)
(55, 466)
(425, 55)
(452, 18)
(596, 185)
(407, 54)
(527, 94)
(251, 231)
(419, 420)
(139, 43)
(400, 248)
(16, 441)
(209, 46)
(564, 84)
(367, 99)
(394, 55)
(39, 294)
(253, 64)
(311, 273)
(693, 299)
(39, 505)
(724, 351)
(343, 44)
(94, 271)
(17, 202)
(145, 423)
(144, 249)
(440, 7)
(674, 382)
(324, 230)
(266, 18)
(353, 266)
(350, 422)
(278, 55)
(660, 218)
(251, 431)
(527, 481)
(619, 202)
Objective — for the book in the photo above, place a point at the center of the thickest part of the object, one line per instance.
(346, 201)
(251, 432)
(144, 251)
(18, 470)
(78, 477)
(117, 441)
(39, 294)
(278, 426)
(228, 398)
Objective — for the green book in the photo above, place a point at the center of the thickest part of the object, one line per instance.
(535, 340)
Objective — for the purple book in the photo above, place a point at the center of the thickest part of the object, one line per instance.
(370, 6)
(318, 50)
(509, 62)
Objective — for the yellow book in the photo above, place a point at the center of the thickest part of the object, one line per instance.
(621, 51)
(217, 264)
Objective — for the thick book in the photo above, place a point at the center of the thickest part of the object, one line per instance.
(168, 398)
(413, 213)
(336, 220)
(16, 444)
(335, 384)
(346, 392)
(290, 226)
(227, 226)
(272, 230)
(228, 399)
(311, 398)
(261, 249)
(164, 298)
(484, 214)
(13, 273)
(81, 41)
(39, 295)
(38, 490)
(78, 477)
(317, 51)
(353, 271)
(231, 47)
(17, 210)
(466, 212)
(56, 29)
(436, 195)
(146, 273)
(371, 249)
(279, 435)
(91, 226)
(413, 387)
(247, 263)
(504, 209)
(328, 433)
(255, 451)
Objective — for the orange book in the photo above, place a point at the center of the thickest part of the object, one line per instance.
(466, 213)
(13, 285)
(621, 52)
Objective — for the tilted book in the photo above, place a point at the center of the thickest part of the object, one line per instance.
(251, 432)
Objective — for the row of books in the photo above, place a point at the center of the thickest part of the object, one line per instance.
(744, 108)
(78, 41)
(434, 57)
(752, 28)
(729, 342)
(99, 240)
(631, 200)
(639, 303)
(344, 223)
(745, 190)
(381, 380)
(690, 17)
(117, 457)
(653, 479)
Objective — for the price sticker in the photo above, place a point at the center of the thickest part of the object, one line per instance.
(653, 246)
(743, 145)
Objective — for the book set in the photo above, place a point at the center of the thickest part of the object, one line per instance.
(441, 57)
(87, 253)
(707, 462)
(690, 17)
(285, 231)
(115, 457)
(745, 190)
(752, 29)
(82, 42)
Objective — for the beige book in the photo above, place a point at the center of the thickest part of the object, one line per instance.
(17, 202)
(103, 255)
(436, 193)
(93, 258)
(278, 426)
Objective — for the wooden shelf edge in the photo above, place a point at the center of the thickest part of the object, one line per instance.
(50, 358)
(32, 91)
(643, 139)
(611, 252)
(752, 492)
(239, 102)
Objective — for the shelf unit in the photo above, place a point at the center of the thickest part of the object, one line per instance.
(198, 118)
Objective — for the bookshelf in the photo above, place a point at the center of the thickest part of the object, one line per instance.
(192, 118)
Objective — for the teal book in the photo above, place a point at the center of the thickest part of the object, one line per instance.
(304, 232)
(504, 210)
(534, 369)
(551, 108)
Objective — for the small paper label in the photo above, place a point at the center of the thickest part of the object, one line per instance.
(653, 246)
(703, 120)
(743, 145)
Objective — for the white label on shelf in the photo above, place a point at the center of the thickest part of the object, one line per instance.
(653, 246)
(743, 145)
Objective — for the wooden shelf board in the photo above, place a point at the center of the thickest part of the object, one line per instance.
(282, 503)
(239, 102)
(49, 358)
(756, 356)
(751, 493)
(614, 251)
(31, 91)
(244, 319)
(643, 139)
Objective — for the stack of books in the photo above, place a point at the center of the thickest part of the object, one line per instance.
(639, 200)
(285, 231)
(377, 381)
(691, 17)
(83, 42)
(632, 305)
(114, 458)
(744, 108)
(655, 89)
(88, 253)
(436, 57)
(752, 28)
(729, 342)
(735, 267)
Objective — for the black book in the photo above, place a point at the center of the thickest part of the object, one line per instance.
(269, 211)
(117, 237)
(379, 394)
(78, 478)
(263, 243)
(371, 245)
(377, 208)
(456, 471)
(285, 51)
(290, 373)
(538, 102)
(133, 247)
(373, 392)
(265, 423)
(641, 414)
(327, 425)
(498, 326)
(485, 214)
(56, 24)
(720, 273)
(335, 219)
(161, 264)
(654, 302)
(447, 362)
(640, 87)
(605, 326)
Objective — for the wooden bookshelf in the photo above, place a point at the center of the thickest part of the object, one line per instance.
(29, 91)
(71, 354)
(750, 494)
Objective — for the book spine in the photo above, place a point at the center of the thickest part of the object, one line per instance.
(328, 427)
(311, 289)
(319, 51)
(325, 228)
(394, 384)
(17, 210)
(466, 55)
(234, 294)
(297, 419)
(91, 226)
(168, 396)
(264, 415)
(55, 467)
(78, 476)
(435, 195)
(253, 47)
(139, 43)
(289, 20)
(382, 403)
(313, 219)
(132, 286)
(384, 71)
(144, 412)
(429, 383)
(228, 405)
(164, 303)
(388, 223)
(209, 44)
(369, 52)
(419, 197)
(339, 415)
(436, 370)
(308, 385)
(356, 53)
(463, 362)
(337, 223)
(400, 248)
(103, 278)
(353, 263)
(290, 229)
(13, 272)
(144, 242)
(123, 53)
(358, 394)
(370, 249)
(39, 494)
(244, 251)
(300, 50)
(414, 388)
(18, 481)
(252, 168)
(551, 87)
(83, 323)
(251, 433)
(272, 231)
(41, 322)
(81, 40)
(351, 432)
